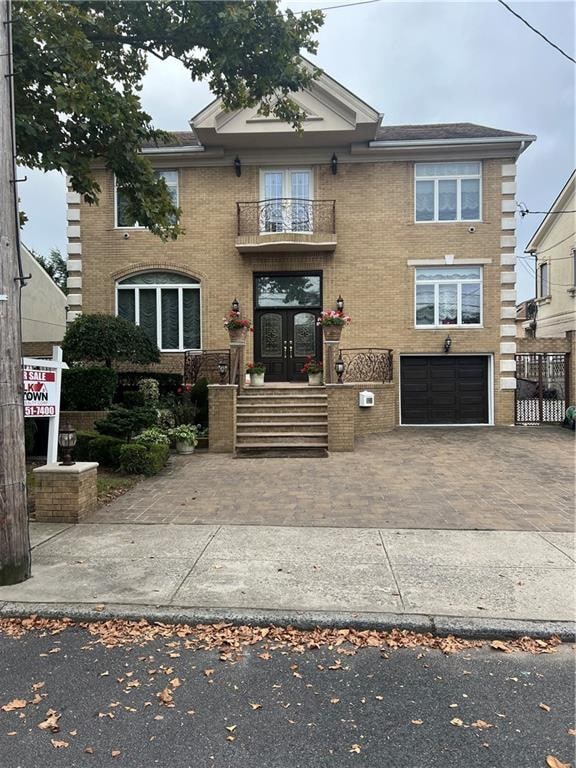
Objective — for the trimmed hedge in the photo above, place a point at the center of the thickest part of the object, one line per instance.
(88, 389)
(168, 383)
(90, 446)
(126, 422)
(136, 459)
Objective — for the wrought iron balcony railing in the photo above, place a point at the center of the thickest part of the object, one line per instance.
(286, 214)
(367, 365)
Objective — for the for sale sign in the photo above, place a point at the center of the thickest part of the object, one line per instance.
(40, 392)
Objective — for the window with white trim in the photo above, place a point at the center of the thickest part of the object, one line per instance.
(286, 200)
(448, 191)
(123, 218)
(544, 280)
(166, 305)
(448, 296)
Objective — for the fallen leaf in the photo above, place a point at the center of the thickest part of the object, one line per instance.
(545, 707)
(158, 717)
(482, 724)
(553, 762)
(230, 738)
(37, 686)
(14, 704)
(416, 722)
(256, 706)
(500, 646)
(208, 672)
(571, 731)
(355, 748)
(334, 701)
(36, 700)
(59, 744)
(231, 728)
(452, 705)
(175, 682)
(456, 721)
(266, 656)
(99, 607)
(90, 750)
(73, 733)
(165, 696)
(380, 698)
(51, 722)
(12, 733)
(115, 752)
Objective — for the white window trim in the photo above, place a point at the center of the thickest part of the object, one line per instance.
(139, 226)
(541, 294)
(436, 284)
(158, 286)
(285, 188)
(458, 178)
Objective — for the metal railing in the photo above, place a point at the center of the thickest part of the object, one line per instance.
(204, 365)
(286, 214)
(367, 364)
(541, 388)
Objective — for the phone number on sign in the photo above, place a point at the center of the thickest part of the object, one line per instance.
(40, 410)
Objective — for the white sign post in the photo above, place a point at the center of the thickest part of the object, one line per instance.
(42, 384)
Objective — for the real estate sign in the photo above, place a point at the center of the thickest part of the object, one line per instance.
(42, 380)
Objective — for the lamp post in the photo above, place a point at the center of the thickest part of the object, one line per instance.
(339, 303)
(339, 368)
(67, 441)
(222, 370)
(447, 344)
(235, 306)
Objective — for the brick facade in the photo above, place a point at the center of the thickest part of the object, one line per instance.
(65, 494)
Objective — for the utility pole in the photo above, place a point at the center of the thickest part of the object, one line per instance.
(14, 540)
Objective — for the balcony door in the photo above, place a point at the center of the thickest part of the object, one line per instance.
(286, 200)
(287, 306)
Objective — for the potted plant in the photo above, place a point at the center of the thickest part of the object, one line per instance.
(314, 370)
(236, 325)
(256, 372)
(332, 321)
(186, 437)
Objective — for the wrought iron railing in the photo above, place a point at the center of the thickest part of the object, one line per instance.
(541, 388)
(286, 214)
(368, 364)
(204, 365)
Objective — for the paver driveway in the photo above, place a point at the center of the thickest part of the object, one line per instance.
(463, 478)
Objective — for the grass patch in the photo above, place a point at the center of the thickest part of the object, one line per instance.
(113, 484)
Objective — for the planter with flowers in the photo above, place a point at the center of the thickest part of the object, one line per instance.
(237, 326)
(186, 437)
(256, 372)
(314, 370)
(332, 321)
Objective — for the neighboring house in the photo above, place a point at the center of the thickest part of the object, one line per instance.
(525, 318)
(412, 224)
(553, 246)
(43, 309)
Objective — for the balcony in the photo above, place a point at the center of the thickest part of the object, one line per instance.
(286, 224)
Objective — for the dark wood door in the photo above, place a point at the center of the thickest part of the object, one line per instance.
(444, 389)
(283, 339)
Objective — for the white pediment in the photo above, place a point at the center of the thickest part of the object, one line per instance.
(333, 116)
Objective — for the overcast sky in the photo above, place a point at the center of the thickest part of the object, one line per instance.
(417, 62)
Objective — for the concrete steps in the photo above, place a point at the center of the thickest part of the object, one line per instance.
(282, 421)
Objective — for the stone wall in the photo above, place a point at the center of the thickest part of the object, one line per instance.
(82, 421)
(65, 494)
(381, 417)
(222, 417)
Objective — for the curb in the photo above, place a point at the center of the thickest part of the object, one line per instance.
(462, 626)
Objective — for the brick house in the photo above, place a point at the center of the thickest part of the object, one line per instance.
(413, 225)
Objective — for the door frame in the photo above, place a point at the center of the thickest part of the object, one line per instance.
(287, 273)
(490, 377)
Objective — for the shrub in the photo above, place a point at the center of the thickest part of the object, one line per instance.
(132, 399)
(106, 451)
(82, 447)
(199, 396)
(150, 391)
(126, 422)
(185, 433)
(109, 339)
(138, 459)
(152, 436)
(88, 388)
(185, 413)
(167, 382)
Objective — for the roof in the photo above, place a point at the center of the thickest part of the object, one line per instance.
(440, 131)
(177, 139)
(549, 220)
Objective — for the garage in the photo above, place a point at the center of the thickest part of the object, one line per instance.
(444, 389)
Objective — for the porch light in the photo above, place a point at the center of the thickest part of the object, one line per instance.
(237, 166)
(222, 370)
(339, 367)
(340, 303)
(334, 164)
(235, 306)
(447, 344)
(67, 441)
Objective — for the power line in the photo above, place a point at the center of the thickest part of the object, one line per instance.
(555, 244)
(523, 20)
(342, 5)
(524, 211)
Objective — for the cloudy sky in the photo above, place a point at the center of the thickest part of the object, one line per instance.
(417, 62)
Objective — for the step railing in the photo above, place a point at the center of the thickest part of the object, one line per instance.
(367, 364)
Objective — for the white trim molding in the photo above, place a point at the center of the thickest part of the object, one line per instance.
(508, 223)
(71, 316)
(507, 347)
(508, 206)
(74, 265)
(508, 295)
(507, 278)
(507, 330)
(508, 241)
(507, 313)
(74, 249)
(507, 366)
(443, 263)
(73, 198)
(509, 169)
(508, 187)
(507, 383)
(73, 214)
(507, 259)
(73, 231)
(75, 299)
(74, 282)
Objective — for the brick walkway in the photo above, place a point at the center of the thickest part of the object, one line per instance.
(462, 478)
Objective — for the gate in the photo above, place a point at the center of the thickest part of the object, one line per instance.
(541, 388)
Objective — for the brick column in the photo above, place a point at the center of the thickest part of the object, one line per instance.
(65, 494)
(331, 352)
(222, 417)
(238, 361)
(341, 416)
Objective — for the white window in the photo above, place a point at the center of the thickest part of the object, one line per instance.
(122, 217)
(166, 305)
(448, 296)
(544, 280)
(448, 192)
(286, 203)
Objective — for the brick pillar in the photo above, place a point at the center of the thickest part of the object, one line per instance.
(65, 494)
(238, 361)
(571, 368)
(341, 405)
(222, 417)
(331, 354)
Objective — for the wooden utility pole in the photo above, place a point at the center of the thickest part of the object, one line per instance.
(14, 540)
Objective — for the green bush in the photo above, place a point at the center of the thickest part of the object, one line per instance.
(168, 383)
(138, 459)
(82, 448)
(132, 399)
(88, 389)
(150, 391)
(126, 422)
(199, 396)
(152, 436)
(108, 339)
(106, 451)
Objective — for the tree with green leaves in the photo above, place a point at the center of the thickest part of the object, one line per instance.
(108, 339)
(78, 69)
(55, 265)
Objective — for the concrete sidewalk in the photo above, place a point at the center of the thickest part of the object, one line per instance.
(400, 577)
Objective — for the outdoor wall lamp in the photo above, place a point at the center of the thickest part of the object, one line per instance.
(340, 303)
(235, 306)
(334, 164)
(339, 367)
(237, 166)
(67, 441)
(447, 344)
(222, 370)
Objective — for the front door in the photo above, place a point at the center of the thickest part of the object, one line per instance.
(287, 306)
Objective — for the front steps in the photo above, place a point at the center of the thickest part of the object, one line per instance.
(282, 421)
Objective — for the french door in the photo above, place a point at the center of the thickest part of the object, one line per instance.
(286, 200)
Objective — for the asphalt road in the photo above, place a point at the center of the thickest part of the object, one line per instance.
(279, 708)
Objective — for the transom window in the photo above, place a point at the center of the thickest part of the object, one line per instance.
(123, 219)
(448, 296)
(166, 305)
(448, 191)
(286, 200)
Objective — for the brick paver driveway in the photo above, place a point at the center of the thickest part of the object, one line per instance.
(465, 478)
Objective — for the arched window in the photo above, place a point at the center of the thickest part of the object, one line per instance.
(166, 305)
